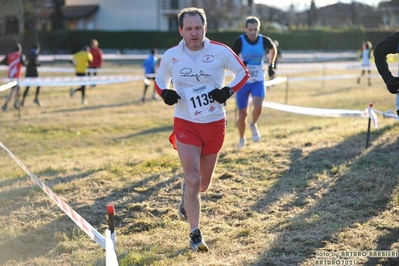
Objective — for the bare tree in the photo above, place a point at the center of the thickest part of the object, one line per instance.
(312, 15)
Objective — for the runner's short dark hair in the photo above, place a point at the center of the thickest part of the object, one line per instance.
(191, 11)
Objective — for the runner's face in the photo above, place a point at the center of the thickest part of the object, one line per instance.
(193, 32)
(252, 31)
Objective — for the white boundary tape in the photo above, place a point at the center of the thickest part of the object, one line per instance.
(323, 78)
(367, 113)
(82, 223)
(72, 70)
(315, 111)
(74, 81)
(275, 81)
(8, 85)
(388, 114)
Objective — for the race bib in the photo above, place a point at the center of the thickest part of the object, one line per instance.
(199, 102)
(256, 72)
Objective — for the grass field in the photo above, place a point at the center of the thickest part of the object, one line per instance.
(307, 191)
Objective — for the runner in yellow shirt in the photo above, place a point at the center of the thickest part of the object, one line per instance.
(81, 61)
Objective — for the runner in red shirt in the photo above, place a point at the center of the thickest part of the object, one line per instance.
(14, 60)
(98, 59)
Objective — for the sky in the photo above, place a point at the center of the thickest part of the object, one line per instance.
(301, 5)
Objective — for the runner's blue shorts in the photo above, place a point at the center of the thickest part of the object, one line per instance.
(253, 89)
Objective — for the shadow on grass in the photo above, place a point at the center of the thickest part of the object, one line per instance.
(93, 106)
(149, 131)
(384, 243)
(10, 182)
(326, 208)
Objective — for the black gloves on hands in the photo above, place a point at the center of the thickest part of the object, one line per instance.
(221, 95)
(170, 97)
(392, 84)
(271, 71)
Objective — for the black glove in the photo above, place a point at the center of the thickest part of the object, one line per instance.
(221, 95)
(170, 97)
(392, 84)
(271, 70)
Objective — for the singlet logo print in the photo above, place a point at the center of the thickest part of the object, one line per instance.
(187, 72)
(208, 58)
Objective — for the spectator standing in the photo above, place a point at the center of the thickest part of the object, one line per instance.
(366, 65)
(31, 72)
(149, 65)
(252, 48)
(14, 60)
(197, 68)
(81, 61)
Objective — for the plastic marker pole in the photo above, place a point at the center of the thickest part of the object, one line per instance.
(110, 238)
(111, 213)
(368, 128)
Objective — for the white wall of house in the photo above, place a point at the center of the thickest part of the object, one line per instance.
(117, 15)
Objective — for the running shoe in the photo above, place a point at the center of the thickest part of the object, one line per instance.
(196, 242)
(16, 105)
(4, 107)
(71, 92)
(181, 210)
(241, 143)
(255, 132)
(38, 102)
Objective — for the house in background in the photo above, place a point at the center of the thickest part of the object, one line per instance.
(116, 15)
(11, 21)
(161, 15)
(149, 15)
(343, 15)
(390, 11)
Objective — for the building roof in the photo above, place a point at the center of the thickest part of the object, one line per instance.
(389, 6)
(80, 11)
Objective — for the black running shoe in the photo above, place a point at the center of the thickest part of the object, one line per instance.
(196, 241)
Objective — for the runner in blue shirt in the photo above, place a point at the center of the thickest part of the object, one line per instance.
(252, 47)
(149, 65)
